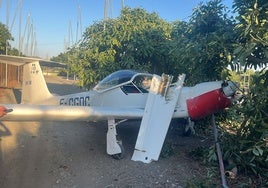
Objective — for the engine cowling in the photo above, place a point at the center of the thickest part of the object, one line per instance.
(213, 101)
(207, 103)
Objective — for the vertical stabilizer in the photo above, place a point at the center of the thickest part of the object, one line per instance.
(34, 87)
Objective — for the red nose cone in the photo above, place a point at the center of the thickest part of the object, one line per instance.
(207, 103)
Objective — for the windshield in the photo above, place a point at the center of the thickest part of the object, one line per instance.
(114, 79)
(129, 81)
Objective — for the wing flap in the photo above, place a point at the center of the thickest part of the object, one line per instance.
(24, 112)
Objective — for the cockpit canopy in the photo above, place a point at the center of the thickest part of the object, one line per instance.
(128, 80)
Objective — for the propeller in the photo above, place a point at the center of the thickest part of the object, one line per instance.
(231, 89)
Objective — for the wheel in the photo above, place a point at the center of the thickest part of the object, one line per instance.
(187, 131)
(121, 155)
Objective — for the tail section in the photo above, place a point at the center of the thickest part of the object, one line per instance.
(34, 87)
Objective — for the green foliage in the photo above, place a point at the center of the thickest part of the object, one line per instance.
(14, 52)
(244, 133)
(249, 124)
(251, 47)
(206, 42)
(135, 40)
(142, 41)
(4, 37)
(246, 137)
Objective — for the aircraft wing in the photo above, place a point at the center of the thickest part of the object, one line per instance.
(20, 60)
(26, 112)
(14, 60)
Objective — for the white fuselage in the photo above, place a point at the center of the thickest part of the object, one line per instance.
(115, 97)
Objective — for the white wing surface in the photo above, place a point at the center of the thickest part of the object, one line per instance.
(25, 112)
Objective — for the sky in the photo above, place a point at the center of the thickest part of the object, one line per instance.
(54, 22)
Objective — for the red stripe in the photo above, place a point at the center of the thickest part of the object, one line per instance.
(207, 103)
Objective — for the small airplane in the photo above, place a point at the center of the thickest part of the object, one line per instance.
(121, 96)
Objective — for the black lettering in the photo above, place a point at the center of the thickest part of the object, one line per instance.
(87, 101)
(62, 101)
(71, 101)
(82, 101)
(76, 101)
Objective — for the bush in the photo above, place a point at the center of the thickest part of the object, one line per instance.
(245, 130)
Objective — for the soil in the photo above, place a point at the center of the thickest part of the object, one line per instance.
(73, 154)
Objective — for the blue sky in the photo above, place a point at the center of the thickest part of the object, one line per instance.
(52, 20)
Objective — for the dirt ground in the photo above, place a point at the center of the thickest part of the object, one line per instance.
(73, 154)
